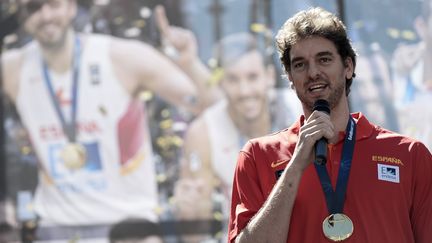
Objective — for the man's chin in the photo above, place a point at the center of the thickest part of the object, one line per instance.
(50, 44)
(250, 116)
(51, 41)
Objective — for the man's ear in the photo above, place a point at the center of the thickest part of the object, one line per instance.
(349, 65)
(292, 85)
(290, 78)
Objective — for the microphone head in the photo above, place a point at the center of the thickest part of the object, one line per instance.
(322, 105)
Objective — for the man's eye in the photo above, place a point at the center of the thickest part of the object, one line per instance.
(325, 60)
(55, 3)
(298, 65)
(33, 6)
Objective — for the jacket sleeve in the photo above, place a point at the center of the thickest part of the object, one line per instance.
(421, 210)
(247, 195)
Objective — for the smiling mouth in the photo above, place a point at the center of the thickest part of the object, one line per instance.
(317, 87)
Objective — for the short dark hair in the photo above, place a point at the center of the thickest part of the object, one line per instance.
(31, 6)
(232, 47)
(314, 22)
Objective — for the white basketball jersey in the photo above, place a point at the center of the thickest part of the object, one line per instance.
(225, 141)
(225, 138)
(117, 180)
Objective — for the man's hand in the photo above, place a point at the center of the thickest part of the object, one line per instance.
(179, 44)
(318, 125)
(406, 56)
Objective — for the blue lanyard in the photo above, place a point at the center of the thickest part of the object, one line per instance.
(68, 128)
(410, 90)
(335, 199)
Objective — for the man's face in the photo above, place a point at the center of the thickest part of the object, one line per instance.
(246, 84)
(317, 72)
(48, 20)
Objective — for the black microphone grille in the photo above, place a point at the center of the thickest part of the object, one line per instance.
(322, 105)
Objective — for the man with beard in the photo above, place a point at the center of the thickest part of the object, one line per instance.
(250, 109)
(76, 95)
(375, 185)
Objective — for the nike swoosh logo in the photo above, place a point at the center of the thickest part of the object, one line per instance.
(275, 164)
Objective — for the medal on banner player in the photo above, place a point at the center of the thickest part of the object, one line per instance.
(73, 154)
(338, 226)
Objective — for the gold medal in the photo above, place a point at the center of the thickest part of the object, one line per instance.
(74, 156)
(338, 227)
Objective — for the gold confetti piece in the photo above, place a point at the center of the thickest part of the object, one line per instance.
(140, 23)
(177, 141)
(165, 113)
(216, 76)
(158, 210)
(25, 150)
(218, 216)
(408, 35)
(161, 142)
(393, 33)
(258, 28)
(145, 95)
(166, 124)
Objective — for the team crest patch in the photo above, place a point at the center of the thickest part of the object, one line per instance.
(388, 173)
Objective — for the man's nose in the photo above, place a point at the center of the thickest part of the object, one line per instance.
(313, 70)
(46, 12)
(245, 88)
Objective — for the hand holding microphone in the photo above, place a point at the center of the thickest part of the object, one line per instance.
(312, 141)
(321, 144)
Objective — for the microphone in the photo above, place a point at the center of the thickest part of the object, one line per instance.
(321, 144)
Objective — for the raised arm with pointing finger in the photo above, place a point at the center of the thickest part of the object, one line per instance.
(180, 45)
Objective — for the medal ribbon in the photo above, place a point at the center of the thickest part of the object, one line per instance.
(68, 128)
(335, 199)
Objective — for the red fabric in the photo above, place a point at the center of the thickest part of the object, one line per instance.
(381, 211)
(131, 130)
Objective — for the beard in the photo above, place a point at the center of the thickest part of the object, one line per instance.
(333, 98)
(52, 43)
(245, 114)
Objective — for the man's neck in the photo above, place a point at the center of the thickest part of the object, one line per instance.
(59, 59)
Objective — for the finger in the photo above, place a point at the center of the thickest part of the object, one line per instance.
(322, 125)
(162, 20)
(318, 117)
(317, 113)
